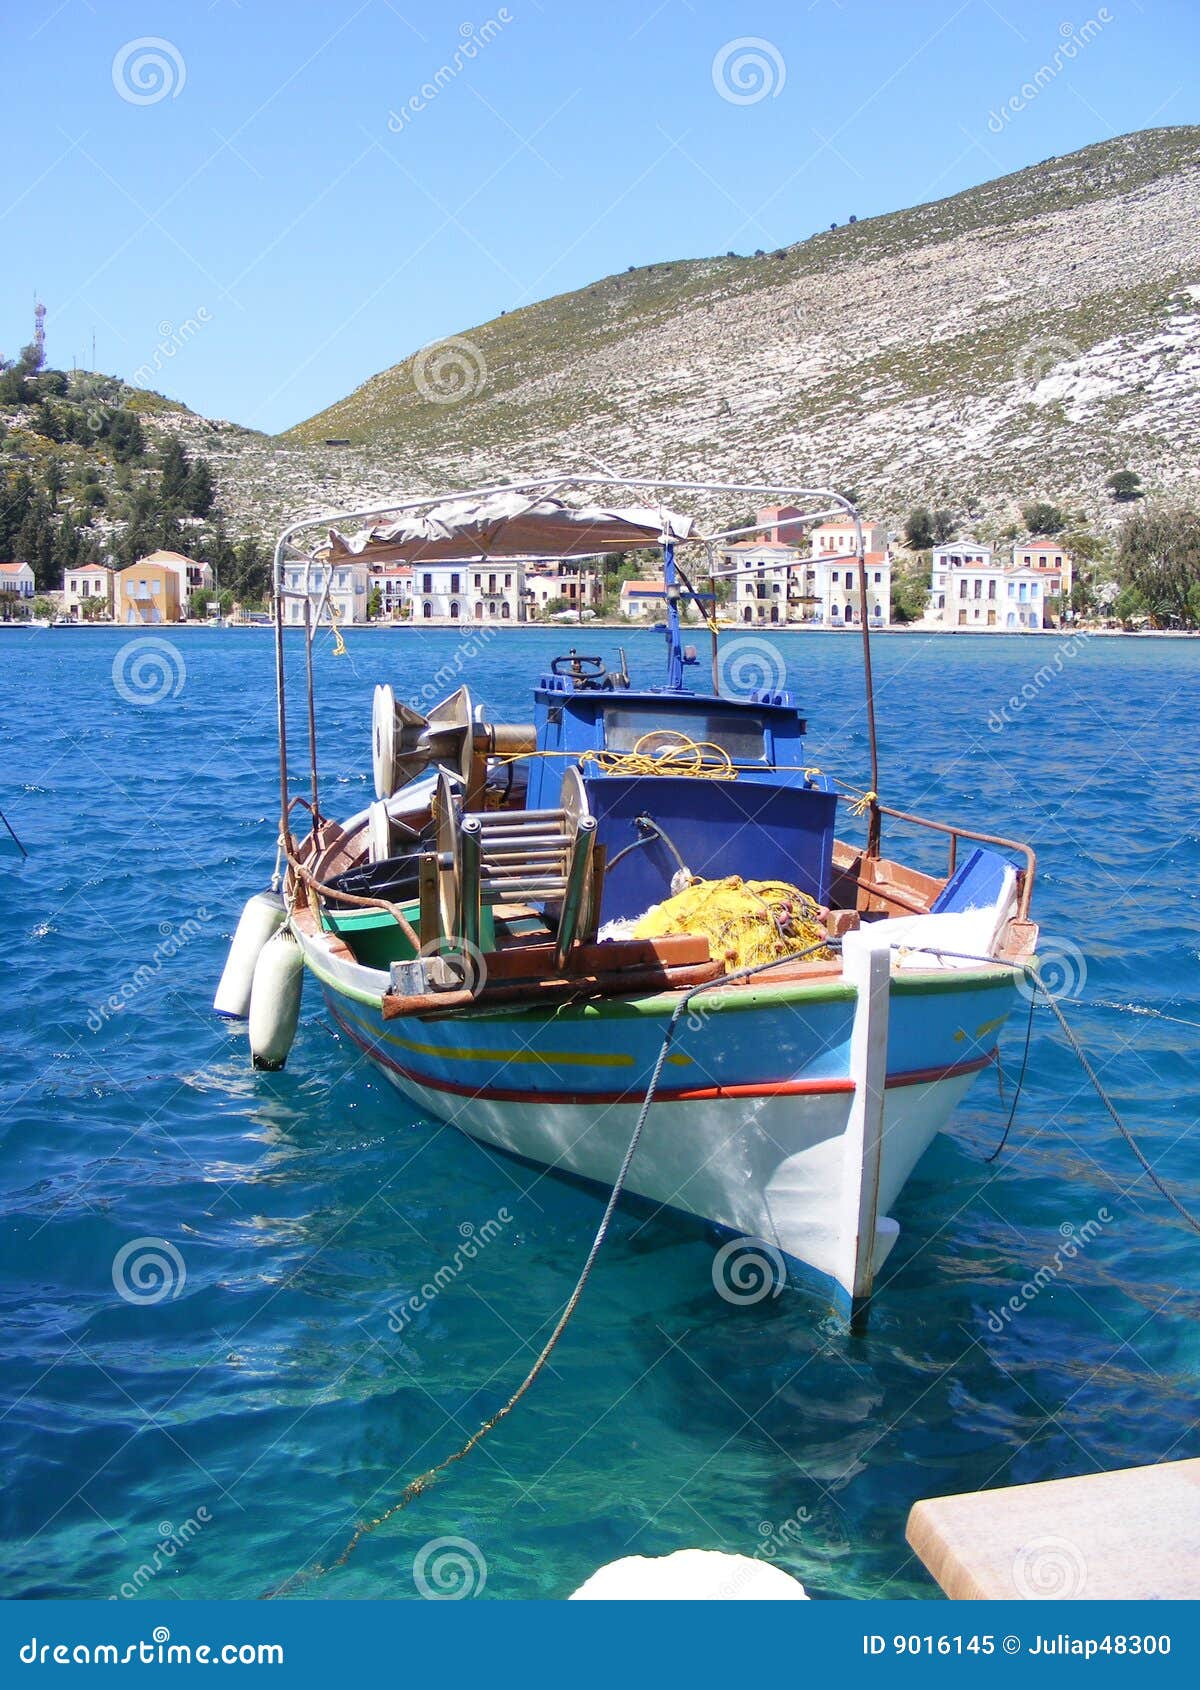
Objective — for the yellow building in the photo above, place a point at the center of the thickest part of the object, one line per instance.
(146, 593)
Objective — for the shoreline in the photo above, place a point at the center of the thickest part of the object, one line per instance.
(740, 630)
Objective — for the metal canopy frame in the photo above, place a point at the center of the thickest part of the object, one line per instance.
(829, 504)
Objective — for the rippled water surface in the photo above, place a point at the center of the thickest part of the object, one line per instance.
(248, 1420)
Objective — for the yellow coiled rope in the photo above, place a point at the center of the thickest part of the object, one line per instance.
(746, 922)
(676, 754)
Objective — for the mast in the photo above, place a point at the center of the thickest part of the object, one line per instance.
(671, 593)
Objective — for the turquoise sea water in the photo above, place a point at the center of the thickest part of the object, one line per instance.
(251, 1417)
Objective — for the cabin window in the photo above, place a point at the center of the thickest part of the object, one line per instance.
(742, 736)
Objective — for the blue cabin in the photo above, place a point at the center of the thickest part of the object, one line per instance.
(774, 822)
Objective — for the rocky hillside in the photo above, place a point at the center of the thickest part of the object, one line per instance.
(1021, 340)
(1027, 337)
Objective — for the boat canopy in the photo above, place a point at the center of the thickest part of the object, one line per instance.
(507, 524)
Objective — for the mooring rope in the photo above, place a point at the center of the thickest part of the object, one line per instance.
(416, 1486)
(15, 840)
(1032, 974)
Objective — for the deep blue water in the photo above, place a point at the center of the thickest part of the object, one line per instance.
(270, 1404)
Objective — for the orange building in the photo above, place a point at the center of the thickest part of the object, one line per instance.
(146, 594)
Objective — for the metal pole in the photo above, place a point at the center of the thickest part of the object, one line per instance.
(281, 707)
(312, 709)
(874, 826)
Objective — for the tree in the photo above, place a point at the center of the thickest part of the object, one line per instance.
(1125, 486)
(1043, 518)
(944, 526)
(199, 600)
(43, 607)
(173, 484)
(1159, 557)
(910, 596)
(200, 489)
(374, 603)
(918, 529)
(124, 436)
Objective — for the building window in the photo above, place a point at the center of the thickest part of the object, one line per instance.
(454, 606)
(427, 608)
(427, 587)
(454, 586)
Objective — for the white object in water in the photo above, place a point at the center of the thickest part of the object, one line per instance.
(275, 1000)
(262, 917)
(697, 1575)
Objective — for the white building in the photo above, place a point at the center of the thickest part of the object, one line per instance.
(835, 538)
(776, 582)
(349, 591)
(766, 571)
(644, 600)
(968, 589)
(16, 580)
(838, 589)
(395, 584)
(496, 591)
(89, 590)
(580, 589)
(468, 591)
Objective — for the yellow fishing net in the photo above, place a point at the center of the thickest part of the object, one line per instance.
(745, 921)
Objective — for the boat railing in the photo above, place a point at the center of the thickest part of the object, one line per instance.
(954, 832)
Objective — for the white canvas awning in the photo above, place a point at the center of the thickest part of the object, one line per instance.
(506, 525)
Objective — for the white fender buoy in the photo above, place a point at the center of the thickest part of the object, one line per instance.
(705, 1575)
(262, 917)
(275, 1000)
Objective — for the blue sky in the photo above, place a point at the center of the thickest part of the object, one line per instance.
(271, 174)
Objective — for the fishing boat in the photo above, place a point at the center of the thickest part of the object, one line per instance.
(637, 937)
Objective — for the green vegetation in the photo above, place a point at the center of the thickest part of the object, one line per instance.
(80, 482)
(1125, 486)
(1159, 558)
(1043, 518)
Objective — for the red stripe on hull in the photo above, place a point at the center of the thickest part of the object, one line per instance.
(768, 1088)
